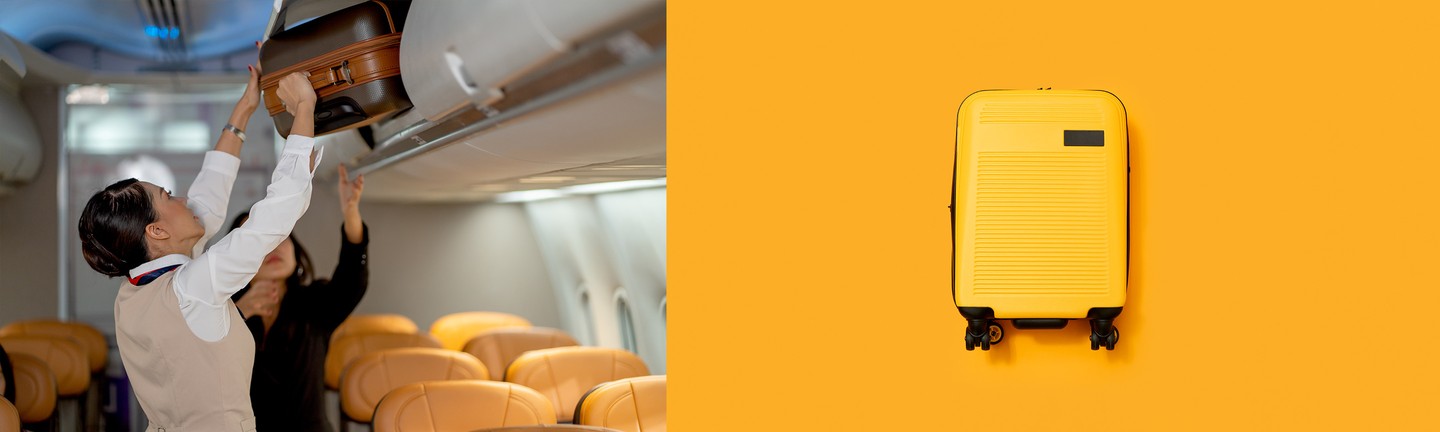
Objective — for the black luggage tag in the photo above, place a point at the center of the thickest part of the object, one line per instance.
(1085, 138)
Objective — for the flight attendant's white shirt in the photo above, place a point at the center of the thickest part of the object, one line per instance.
(204, 285)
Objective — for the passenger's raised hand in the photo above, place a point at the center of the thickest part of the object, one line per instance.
(350, 205)
(350, 190)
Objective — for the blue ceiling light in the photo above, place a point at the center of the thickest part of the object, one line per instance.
(162, 32)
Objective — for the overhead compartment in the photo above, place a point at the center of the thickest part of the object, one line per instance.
(460, 54)
(19, 142)
(513, 95)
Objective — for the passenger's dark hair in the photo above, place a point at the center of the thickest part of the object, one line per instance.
(7, 373)
(112, 228)
(304, 273)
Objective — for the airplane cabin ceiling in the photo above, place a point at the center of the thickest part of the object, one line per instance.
(168, 30)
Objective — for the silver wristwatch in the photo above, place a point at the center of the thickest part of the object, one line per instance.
(238, 133)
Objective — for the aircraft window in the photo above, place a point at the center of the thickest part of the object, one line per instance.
(185, 136)
(589, 317)
(627, 324)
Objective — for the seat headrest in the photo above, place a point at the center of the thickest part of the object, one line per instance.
(564, 374)
(498, 347)
(348, 348)
(461, 406)
(457, 328)
(97, 349)
(371, 376)
(631, 405)
(62, 355)
(376, 323)
(35, 388)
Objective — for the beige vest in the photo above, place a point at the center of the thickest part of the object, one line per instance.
(183, 383)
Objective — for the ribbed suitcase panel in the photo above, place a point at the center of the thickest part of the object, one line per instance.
(1040, 224)
(1074, 111)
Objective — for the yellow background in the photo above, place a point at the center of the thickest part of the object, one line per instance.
(1286, 241)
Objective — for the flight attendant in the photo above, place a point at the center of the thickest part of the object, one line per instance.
(185, 348)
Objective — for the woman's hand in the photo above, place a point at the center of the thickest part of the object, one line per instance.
(350, 205)
(350, 190)
(240, 117)
(296, 92)
(262, 300)
(251, 98)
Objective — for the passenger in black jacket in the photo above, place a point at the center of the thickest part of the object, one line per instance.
(291, 315)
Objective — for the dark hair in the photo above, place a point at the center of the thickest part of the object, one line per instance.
(112, 228)
(304, 274)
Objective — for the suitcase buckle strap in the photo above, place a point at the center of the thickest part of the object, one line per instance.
(338, 75)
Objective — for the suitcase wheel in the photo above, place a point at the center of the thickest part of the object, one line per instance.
(1108, 341)
(983, 335)
(981, 340)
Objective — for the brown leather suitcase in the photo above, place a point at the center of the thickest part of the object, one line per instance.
(353, 56)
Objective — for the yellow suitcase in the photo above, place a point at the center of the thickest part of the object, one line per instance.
(1040, 212)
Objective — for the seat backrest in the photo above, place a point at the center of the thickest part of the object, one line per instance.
(455, 329)
(371, 376)
(564, 374)
(64, 357)
(374, 323)
(461, 406)
(348, 348)
(35, 388)
(498, 347)
(96, 348)
(630, 405)
(9, 417)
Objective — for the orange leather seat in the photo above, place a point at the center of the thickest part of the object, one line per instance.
(64, 357)
(347, 349)
(457, 328)
(92, 343)
(497, 348)
(565, 374)
(548, 428)
(372, 375)
(9, 417)
(630, 405)
(374, 323)
(35, 388)
(97, 349)
(461, 406)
